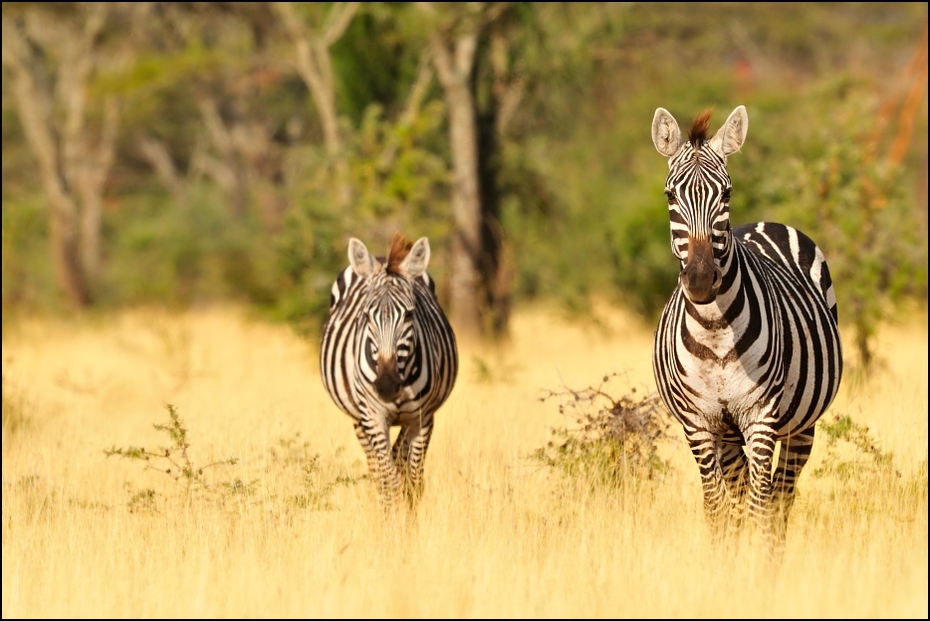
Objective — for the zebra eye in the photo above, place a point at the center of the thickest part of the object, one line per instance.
(671, 197)
(726, 194)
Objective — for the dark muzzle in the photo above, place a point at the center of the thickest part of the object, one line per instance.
(388, 381)
(700, 278)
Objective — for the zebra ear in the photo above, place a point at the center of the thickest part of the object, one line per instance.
(361, 260)
(414, 264)
(730, 138)
(665, 133)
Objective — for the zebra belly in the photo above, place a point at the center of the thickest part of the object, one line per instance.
(725, 396)
(405, 410)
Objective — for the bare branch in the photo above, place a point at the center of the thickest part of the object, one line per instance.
(96, 19)
(210, 114)
(420, 85)
(412, 108)
(338, 20)
(32, 105)
(156, 153)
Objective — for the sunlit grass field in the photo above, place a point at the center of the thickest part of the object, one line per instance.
(293, 528)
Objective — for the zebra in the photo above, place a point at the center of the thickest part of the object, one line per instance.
(747, 350)
(389, 358)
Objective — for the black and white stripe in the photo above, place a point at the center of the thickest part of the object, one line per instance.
(747, 351)
(389, 358)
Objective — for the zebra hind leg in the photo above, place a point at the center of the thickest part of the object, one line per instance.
(410, 453)
(760, 450)
(736, 477)
(795, 451)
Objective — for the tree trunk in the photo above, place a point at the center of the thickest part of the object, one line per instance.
(34, 105)
(454, 67)
(52, 107)
(65, 250)
(495, 284)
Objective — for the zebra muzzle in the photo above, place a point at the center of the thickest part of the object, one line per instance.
(700, 278)
(387, 384)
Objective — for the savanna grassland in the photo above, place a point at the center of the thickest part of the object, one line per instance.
(284, 523)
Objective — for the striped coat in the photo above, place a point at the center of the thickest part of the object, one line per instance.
(747, 351)
(389, 358)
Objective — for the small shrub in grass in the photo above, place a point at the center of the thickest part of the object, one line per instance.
(851, 450)
(315, 481)
(861, 478)
(174, 461)
(611, 438)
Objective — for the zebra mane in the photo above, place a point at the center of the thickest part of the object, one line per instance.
(698, 134)
(400, 247)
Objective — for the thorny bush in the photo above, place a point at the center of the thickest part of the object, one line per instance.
(612, 438)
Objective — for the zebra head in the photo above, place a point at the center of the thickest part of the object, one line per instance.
(698, 191)
(387, 336)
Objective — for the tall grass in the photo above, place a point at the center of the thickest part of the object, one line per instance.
(289, 526)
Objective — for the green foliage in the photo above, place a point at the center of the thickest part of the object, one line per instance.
(254, 212)
(615, 440)
(180, 258)
(398, 184)
(28, 275)
(840, 189)
(852, 452)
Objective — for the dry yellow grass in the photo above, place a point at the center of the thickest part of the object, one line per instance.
(496, 534)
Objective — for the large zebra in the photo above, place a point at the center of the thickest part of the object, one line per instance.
(389, 358)
(747, 351)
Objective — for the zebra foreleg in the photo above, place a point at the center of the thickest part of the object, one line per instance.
(399, 453)
(760, 449)
(795, 451)
(410, 453)
(374, 439)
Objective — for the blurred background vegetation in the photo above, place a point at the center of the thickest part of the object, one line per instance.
(189, 153)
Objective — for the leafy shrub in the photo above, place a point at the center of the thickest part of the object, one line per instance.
(851, 450)
(612, 439)
(314, 485)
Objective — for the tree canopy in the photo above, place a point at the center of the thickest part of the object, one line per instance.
(177, 153)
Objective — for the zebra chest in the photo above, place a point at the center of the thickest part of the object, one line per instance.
(724, 368)
(726, 388)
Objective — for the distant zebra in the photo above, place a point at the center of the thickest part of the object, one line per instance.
(747, 351)
(389, 358)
